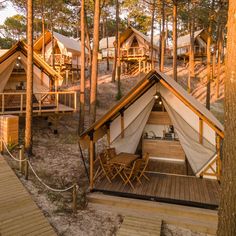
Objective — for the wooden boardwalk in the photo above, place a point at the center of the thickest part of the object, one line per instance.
(137, 226)
(19, 215)
(186, 190)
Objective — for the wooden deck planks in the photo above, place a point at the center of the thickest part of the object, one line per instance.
(19, 215)
(137, 226)
(182, 189)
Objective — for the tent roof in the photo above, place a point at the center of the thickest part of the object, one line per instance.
(129, 31)
(185, 40)
(103, 42)
(148, 81)
(40, 63)
(68, 43)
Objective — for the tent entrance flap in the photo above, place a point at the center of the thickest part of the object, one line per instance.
(133, 132)
(197, 154)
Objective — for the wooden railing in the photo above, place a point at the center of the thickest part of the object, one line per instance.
(60, 59)
(60, 101)
(133, 52)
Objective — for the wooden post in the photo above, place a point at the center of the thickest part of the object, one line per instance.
(21, 157)
(91, 160)
(1, 146)
(67, 77)
(57, 101)
(74, 196)
(26, 167)
(139, 66)
(200, 131)
(75, 101)
(122, 124)
(218, 162)
(108, 134)
(3, 98)
(21, 102)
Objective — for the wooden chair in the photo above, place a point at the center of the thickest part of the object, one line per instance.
(106, 168)
(130, 175)
(145, 161)
(111, 153)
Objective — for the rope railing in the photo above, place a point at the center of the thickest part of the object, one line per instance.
(73, 187)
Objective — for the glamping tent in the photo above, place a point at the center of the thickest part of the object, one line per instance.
(160, 111)
(135, 50)
(106, 47)
(13, 67)
(67, 50)
(13, 63)
(200, 44)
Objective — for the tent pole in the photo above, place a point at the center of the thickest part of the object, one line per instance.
(122, 124)
(218, 163)
(200, 130)
(108, 134)
(91, 158)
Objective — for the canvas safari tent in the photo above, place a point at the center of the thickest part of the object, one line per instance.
(160, 103)
(13, 67)
(67, 50)
(200, 44)
(106, 47)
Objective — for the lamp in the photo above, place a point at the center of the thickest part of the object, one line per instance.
(157, 95)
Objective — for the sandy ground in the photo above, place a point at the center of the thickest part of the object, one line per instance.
(58, 162)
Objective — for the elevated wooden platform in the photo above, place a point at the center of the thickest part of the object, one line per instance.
(178, 189)
(19, 215)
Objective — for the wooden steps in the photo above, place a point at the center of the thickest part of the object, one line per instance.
(196, 219)
(19, 215)
(137, 226)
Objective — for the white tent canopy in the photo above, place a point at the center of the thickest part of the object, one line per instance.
(184, 111)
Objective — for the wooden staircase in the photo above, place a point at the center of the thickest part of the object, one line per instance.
(139, 226)
(195, 219)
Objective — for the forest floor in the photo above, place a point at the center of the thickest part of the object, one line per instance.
(58, 163)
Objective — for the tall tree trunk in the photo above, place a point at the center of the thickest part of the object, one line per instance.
(115, 56)
(191, 48)
(108, 64)
(209, 72)
(94, 74)
(220, 46)
(160, 41)
(152, 29)
(29, 77)
(88, 46)
(175, 40)
(227, 208)
(52, 38)
(82, 69)
(118, 49)
(163, 37)
(43, 29)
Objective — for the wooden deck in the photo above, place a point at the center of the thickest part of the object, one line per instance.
(178, 189)
(19, 215)
(137, 226)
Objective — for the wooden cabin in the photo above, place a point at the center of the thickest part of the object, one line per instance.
(106, 47)
(67, 53)
(182, 137)
(46, 84)
(135, 51)
(200, 44)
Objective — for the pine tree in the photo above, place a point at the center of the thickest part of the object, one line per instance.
(227, 208)
(29, 77)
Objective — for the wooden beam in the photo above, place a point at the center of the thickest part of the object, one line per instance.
(200, 115)
(91, 161)
(200, 131)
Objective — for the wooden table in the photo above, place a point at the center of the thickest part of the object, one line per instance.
(121, 161)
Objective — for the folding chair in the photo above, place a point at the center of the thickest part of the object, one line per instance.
(133, 173)
(111, 153)
(106, 168)
(145, 161)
